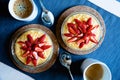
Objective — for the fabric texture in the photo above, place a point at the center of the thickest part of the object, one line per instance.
(108, 52)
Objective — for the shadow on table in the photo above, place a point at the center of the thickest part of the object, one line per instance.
(4, 8)
(75, 68)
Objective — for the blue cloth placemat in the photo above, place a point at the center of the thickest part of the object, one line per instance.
(108, 52)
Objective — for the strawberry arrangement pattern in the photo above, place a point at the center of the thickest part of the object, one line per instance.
(33, 47)
(81, 31)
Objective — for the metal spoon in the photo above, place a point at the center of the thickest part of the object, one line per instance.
(47, 16)
(65, 60)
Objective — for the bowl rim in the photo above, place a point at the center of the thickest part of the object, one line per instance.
(75, 10)
(39, 68)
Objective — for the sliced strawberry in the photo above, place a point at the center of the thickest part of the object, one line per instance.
(38, 49)
(31, 54)
(29, 48)
(36, 41)
(89, 21)
(89, 28)
(21, 43)
(34, 46)
(83, 28)
(68, 35)
(75, 29)
(72, 39)
(26, 54)
(78, 22)
(80, 41)
(81, 45)
(30, 39)
(80, 30)
(70, 28)
(70, 25)
(24, 48)
(28, 43)
(80, 35)
(96, 26)
(42, 38)
(28, 60)
(40, 54)
(42, 44)
(87, 40)
(35, 55)
(92, 39)
(45, 47)
(34, 61)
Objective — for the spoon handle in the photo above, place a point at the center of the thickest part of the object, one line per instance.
(70, 74)
(41, 3)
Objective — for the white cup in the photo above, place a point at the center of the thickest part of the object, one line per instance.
(87, 63)
(31, 17)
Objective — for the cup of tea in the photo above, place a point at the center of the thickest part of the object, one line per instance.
(23, 10)
(95, 70)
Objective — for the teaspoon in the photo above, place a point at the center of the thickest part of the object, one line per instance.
(65, 60)
(47, 16)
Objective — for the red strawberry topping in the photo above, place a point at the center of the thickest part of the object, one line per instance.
(81, 32)
(34, 49)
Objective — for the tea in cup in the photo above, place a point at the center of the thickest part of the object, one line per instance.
(95, 70)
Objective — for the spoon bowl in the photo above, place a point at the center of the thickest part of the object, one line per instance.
(47, 16)
(65, 60)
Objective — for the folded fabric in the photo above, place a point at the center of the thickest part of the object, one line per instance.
(9, 73)
(106, 4)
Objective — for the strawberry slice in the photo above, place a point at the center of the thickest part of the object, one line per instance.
(68, 35)
(24, 48)
(31, 54)
(75, 28)
(34, 61)
(80, 41)
(83, 28)
(92, 39)
(28, 43)
(42, 44)
(80, 35)
(30, 39)
(45, 47)
(81, 45)
(22, 43)
(89, 28)
(36, 41)
(40, 54)
(87, 40)
(70, 28)
(89, 21)
(78, 22)
(96, 26)
(80, 30)
(38, 49)
(42, 38)
(35, 55)
(72, 39)
(26, 54)
(28, 60)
